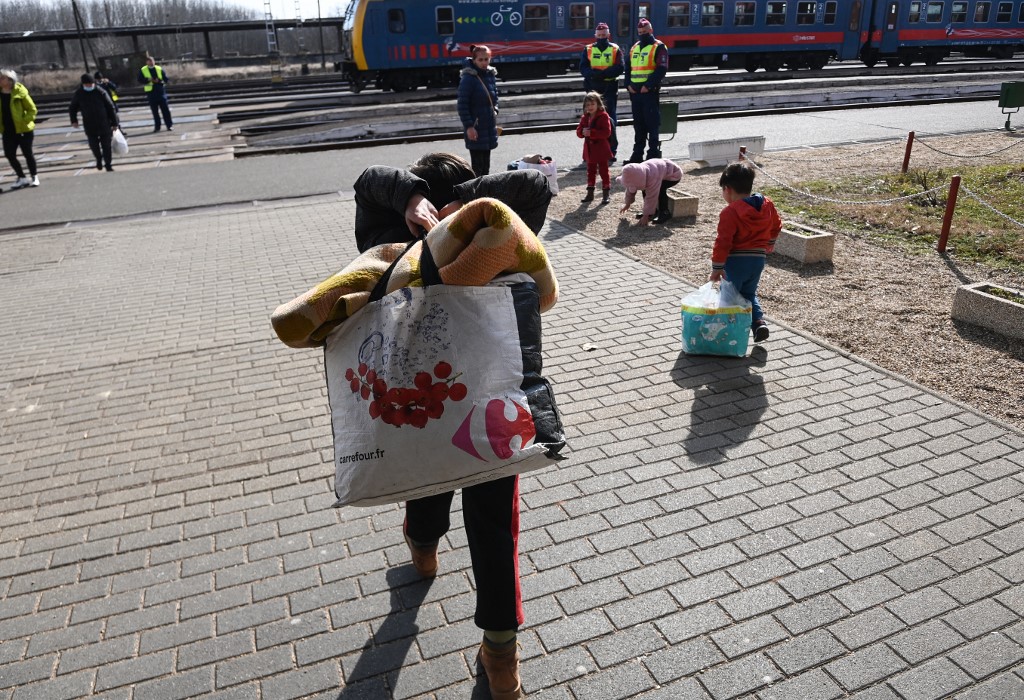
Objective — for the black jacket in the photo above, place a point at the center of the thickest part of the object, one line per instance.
(382, 193)
(97, 110)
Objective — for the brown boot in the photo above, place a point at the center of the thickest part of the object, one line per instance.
(502, 669)
(423, 558)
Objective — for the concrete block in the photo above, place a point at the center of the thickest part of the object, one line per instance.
(975, 304)
(724, 151)
(683, 206)
(805, 244)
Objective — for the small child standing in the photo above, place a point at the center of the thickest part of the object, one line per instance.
(595, 129)
(654, 177)
(747, 229)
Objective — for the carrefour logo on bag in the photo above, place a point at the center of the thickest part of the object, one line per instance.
(501, 428)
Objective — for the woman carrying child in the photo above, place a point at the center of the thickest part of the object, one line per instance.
(595, 129)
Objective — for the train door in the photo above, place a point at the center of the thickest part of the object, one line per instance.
(854, 25)
(889, 42)
(627, 14)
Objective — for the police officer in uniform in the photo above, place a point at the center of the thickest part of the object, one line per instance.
(601, 67)
(153, 81)
(648, 63)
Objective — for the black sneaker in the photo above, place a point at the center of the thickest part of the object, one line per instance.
(760, 329)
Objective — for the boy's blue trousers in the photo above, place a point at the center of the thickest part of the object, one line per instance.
(745, 272)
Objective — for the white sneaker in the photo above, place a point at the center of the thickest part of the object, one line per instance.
(34, 182)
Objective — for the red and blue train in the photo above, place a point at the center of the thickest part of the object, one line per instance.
(403, 44)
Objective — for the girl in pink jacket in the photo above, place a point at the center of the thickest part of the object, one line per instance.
(653, 177)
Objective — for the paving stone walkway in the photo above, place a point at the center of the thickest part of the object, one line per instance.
(793, 525)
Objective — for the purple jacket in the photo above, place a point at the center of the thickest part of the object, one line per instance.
(648, 176)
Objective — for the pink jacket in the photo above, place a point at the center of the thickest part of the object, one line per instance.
(648, 176)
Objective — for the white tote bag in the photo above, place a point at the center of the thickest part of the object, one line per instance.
(118, 143)
(549, 170)
(438, 387)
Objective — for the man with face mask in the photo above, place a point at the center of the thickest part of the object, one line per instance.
(601, 67)
(98, 117)
(647, 65)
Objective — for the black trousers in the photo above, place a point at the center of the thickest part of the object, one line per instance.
(481, 161)
(490, 512)
(609, 90)
(646, 124)
(12, 142)
(99, 142)
(663, 194)
(158, 105)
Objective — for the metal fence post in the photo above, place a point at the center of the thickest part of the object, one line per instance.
(910, 147)
(947, 220)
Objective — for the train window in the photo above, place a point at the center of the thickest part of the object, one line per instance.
(855, 15)
(959, 12)
(934, 12)
(775, 13)
(981, 11)
(711, 14)
(537, 18)
(1020, 13)
(581, 15)
(805, 12)
(915, 12)
(1004, 11)
(830, 12)
(396, 21)
(679, 14)
(445, 20)
(623, 15)
(744, 16)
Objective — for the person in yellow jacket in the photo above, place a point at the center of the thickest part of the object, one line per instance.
(17, 124)
(646, 66)
(154, 80)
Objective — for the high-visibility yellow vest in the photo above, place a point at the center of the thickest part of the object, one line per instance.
(148, 87)
(603, 59)
(641, 61)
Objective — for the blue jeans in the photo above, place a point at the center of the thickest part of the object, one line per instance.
(745, 273)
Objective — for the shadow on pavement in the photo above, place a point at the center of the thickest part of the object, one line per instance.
(728, 403)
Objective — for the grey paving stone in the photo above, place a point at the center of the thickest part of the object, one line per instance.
(177, 687)
(573, 630)
(809, 614)
(761, 569)
(133, 671)
(867, 627)
(925, 641)
(692, 622)
(813, 685)
(26, 672)
(804, 652)
(866, 562)
(819, 579)
(919, 573)
(985, 656)
(865, 666)
(733, 679)
(1005, 686)
(976, 584)
(628, 644)
(642, 608)
(934, 680)
(686, 689)
(625, 681)
(702, 588)
(755, 601)
(921, 605)
(749, 636)
(978, 618)
(867, 593)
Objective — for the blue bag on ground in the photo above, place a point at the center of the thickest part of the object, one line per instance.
(716, 321)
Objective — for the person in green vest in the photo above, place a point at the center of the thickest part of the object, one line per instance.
(645, 69)
(601, 67)
(17, 124)
(154, 80)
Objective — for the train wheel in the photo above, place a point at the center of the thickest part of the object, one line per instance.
(892, 62)
(356, 84)
(907, 61)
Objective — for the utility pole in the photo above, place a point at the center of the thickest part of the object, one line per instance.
(80, 29)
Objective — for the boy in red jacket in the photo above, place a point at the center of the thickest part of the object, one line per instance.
(747, 229)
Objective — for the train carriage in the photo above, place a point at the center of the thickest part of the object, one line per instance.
(403, 44)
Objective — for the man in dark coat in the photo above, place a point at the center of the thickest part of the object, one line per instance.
(393, 205)
(99, 119)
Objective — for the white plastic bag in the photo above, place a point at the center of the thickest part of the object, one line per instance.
(439, 387)
(716, 321)
(118, 143)
(549, 170)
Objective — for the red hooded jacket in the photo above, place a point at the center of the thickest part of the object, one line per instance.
(748, 227)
